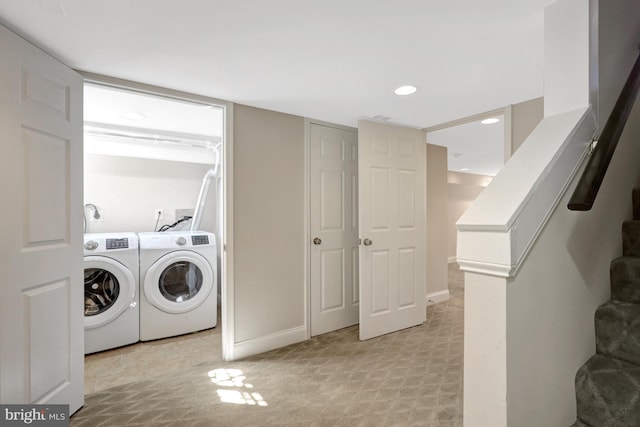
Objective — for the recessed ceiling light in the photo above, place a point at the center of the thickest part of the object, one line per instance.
(464, 169)
(405, 90)
(490, 121)
(132, 115)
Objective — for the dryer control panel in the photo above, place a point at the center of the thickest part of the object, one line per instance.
(201, 239)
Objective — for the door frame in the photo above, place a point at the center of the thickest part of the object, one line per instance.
(226, 250)
(307, 212)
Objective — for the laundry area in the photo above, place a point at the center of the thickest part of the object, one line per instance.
(153, 223)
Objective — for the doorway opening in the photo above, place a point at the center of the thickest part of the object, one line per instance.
(154, 165)
(477, 148)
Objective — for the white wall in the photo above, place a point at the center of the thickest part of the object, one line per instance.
(128, 190)
(462, 190)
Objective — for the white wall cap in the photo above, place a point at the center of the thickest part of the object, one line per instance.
(498, 206)
(497, 231)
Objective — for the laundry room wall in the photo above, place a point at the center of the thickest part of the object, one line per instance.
(128, 190)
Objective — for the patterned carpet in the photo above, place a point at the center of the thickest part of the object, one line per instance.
(408, 378)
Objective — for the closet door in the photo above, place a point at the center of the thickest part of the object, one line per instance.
(334, 228)
(41, 296)
(392, 193)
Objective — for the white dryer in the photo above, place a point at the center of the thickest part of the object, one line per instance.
(111, 310)
(177, 283)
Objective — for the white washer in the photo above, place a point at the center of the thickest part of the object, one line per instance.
(111, 288)
(177, 283)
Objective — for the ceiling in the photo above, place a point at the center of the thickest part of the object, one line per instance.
(473, 147)
(332, 60)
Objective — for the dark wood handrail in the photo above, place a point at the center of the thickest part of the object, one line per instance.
(586, 191)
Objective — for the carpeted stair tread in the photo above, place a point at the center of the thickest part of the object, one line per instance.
(631, 238)
(625, 279)
(608, 384)
(618, 331)
(608, 392)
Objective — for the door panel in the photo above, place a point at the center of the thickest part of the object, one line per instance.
(380, 285)
(46, 181)
(41, 316)
(392, 170)
(48, 308)
(332, 280)
(406, 277)
(334, 220)
(332, 196)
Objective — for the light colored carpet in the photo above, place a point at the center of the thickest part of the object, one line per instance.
(408, 378)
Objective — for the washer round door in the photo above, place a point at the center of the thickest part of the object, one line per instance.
(109, 289)
(179, 282)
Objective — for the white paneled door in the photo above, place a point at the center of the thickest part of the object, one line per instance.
(392, 193)
(334, 228)
(41, 291)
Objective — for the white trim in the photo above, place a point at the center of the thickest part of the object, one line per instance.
(437, 297)
(270, 342)
(451, 260)
(508, 132)
(228, 247)
(465, 120)
(330, 125)
(486, 268)
(307, 227)
(150, 89)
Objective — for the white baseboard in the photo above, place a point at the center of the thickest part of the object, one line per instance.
(436, 297)
(451, 259)
(269, 342)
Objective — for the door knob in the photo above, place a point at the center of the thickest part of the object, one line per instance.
(317, 241)
(368, 242)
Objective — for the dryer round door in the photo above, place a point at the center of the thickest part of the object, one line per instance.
(179, 282)
(109, 289)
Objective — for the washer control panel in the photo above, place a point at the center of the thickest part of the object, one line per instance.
(110, 242)
(117, 243)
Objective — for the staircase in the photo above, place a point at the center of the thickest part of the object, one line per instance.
(608, 384)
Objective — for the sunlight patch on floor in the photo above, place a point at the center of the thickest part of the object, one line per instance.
(235, 378)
